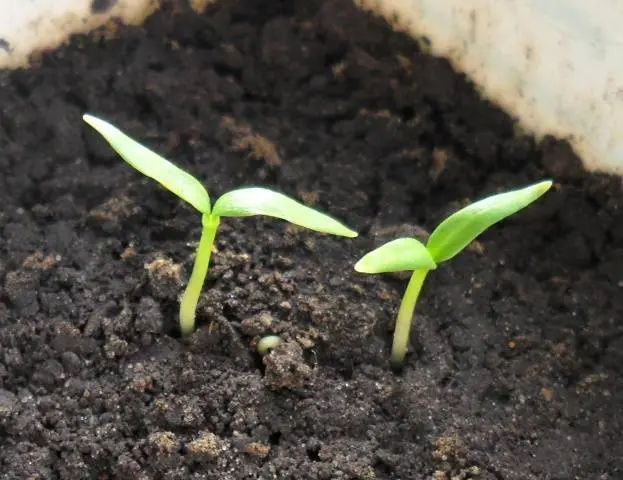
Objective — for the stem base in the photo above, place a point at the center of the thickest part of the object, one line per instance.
(190, 298)
(405, 318)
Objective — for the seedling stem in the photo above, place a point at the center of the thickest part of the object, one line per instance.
(405, 316)
(190, 298)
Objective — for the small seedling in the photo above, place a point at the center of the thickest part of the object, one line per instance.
(267, 344)
(447, 240)
(241, 202)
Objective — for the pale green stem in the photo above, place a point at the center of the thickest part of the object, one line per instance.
(405, 317)
(190, 298)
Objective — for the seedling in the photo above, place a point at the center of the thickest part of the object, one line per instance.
(447, 240)
(242, 202)
(268, 344)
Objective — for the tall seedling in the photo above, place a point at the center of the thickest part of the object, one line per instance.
(447, 240)
(242, 202)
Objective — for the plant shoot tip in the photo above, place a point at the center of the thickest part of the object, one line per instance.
(88, 118)
(546, 185)
(267, 344)
(361, 268)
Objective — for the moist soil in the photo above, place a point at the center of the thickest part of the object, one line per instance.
(514, 369)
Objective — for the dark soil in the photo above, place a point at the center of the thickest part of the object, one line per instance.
(517, 346)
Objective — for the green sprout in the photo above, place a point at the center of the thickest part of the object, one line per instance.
(450, 237)
(241, 202)
(268, 344)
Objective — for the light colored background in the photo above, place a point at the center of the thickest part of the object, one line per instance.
(29, 26)
(557, 66)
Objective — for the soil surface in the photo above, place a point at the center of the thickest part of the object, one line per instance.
(514, 370)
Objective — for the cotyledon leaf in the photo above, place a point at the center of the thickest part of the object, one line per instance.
(149, 163)
(244, 202)
(461, 228)
(396, 256)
